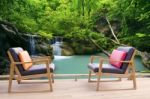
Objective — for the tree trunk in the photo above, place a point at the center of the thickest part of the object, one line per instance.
(104, 51)
(8, 27)
(116, 39)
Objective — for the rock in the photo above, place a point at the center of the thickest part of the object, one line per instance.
(66, 50)
(44, 49)
(102, 26)
(145, 59)
(77, 48)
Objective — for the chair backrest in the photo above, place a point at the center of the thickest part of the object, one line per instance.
(15, 57)
(130, 55)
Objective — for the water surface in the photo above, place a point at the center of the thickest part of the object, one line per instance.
(78, 64)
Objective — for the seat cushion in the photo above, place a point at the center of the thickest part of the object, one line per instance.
(129, 51)
(117, 56)
(25, 57)
(14, 53)
(38, 69)
(106, 68)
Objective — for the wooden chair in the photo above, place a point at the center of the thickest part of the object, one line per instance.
(127, 68)
(41, 67)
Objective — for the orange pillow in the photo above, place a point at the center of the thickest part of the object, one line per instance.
(24, 57)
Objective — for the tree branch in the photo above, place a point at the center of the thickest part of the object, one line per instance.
(117, 42)
(112, 30)
(6, 29)
(104, 51)
(8, 24)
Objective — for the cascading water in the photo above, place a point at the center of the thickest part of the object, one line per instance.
(32, 44)
(57, 42)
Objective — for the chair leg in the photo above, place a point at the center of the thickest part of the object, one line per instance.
(52, 78)
(50, 82)
(119, 79)
(134, 82)
(89, 79)
(10, 84)
(11, 77)
(98, 81)
(133, 76)
(18, 80)
(134, 79)
(130, 78)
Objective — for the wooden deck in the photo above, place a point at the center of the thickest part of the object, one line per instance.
(81, 89)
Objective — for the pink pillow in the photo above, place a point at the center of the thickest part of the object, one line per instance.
(117, 56)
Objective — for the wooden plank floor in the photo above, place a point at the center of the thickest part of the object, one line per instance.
(81, 89)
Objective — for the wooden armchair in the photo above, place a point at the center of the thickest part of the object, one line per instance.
(35, 68)
(126, 68)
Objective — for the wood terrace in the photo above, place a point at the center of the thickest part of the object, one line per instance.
(80, 89)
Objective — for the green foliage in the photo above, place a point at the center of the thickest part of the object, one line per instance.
(45, 34)
(77, 19)
(25, 24)
(140, 35)
(64, 26)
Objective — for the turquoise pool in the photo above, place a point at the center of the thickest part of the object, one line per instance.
(78, 64)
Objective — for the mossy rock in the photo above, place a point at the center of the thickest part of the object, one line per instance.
(83, 48)
(44, 49)
(66, 50)
(146, 59)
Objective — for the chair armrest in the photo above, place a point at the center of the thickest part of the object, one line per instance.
(46, 61)
(104, 59)
(41, 61)
(34, 61)
(41, 57)
(92, 58)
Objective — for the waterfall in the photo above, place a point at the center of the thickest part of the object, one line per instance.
(57, 42)
(32, 44)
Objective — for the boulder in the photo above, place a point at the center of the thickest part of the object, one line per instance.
(66, 50)
(145, 58)
(44, 49)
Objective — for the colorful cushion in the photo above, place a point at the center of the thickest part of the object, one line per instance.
(129, 51)
(15, 54)
(24, 57)
(117, 56)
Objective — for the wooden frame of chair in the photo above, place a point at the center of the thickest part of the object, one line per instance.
(130, 71)
(13, 69)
